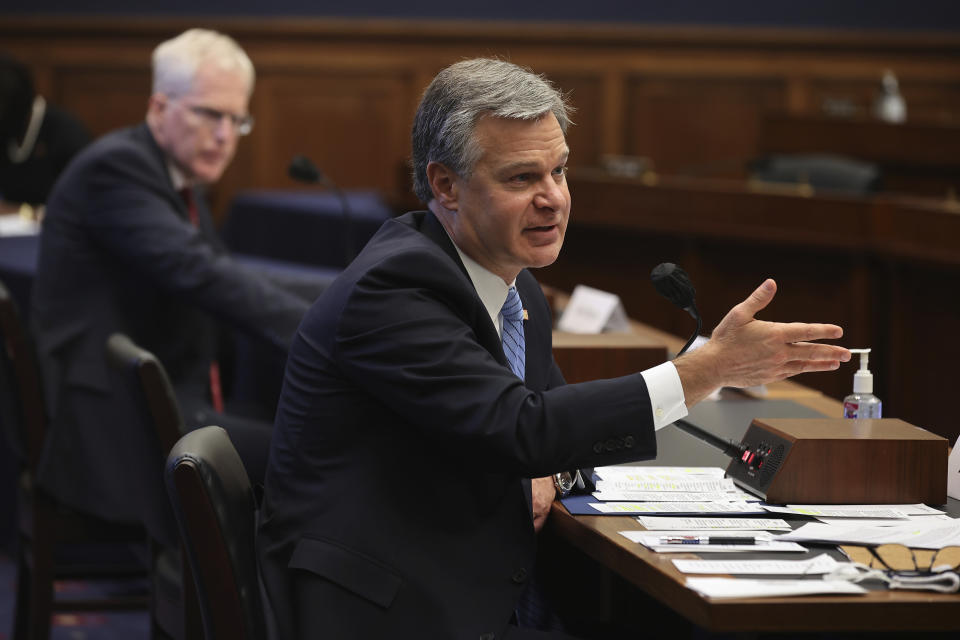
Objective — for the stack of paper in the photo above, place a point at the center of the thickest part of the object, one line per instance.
(669, 490)
(701, 492)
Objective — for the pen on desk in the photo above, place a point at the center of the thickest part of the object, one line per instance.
(709, 540)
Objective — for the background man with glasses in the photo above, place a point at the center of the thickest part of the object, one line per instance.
(129, 246)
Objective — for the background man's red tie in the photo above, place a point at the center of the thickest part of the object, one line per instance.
(216, 390)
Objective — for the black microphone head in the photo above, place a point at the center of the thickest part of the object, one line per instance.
(302, 169)
(674, 284)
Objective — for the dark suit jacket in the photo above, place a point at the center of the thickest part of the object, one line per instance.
(118, 254)
(394, 499)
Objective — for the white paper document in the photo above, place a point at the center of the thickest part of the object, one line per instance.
(675, 507)
(659, 523)
(917, 534)
(673, 496)
(16, 225)
(867, 522)
(745, 588)
(905, 509)
(647, 483)
(814, 566)
(652, 540)
(838, 511)
(618, 471)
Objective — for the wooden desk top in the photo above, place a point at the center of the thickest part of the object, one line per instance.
(598, 537)
(655, 574)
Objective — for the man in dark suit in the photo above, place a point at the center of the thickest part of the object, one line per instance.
(128, 246)
(416, 401)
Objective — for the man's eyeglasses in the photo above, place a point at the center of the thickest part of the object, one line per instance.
(901, 567)
(212, 118)
(901, 558)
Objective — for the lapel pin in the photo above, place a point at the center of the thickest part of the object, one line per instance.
(526, 316)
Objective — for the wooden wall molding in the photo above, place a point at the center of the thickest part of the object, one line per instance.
(693, 100)
(344, 91)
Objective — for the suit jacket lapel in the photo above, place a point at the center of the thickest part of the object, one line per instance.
(142, 132)
(486, 332)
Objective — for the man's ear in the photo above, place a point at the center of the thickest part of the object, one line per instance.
(156, 105)
(444, 184)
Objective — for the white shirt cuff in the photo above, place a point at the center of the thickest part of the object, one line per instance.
(666, 394)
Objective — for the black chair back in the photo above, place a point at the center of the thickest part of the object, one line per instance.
(22, 415)
(214, 505)
(45, 525)
(147, 381)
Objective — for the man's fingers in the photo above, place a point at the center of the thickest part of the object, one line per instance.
(759, 299)
(807, 332)
(814, 352)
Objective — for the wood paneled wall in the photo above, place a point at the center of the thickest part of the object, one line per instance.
(886, 268)
(691, 100)
(344, 92)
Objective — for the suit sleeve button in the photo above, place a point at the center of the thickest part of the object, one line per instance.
(598, 447)
(520, 575)
(628, 442)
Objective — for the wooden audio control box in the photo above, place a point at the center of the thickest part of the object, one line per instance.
(840, 461)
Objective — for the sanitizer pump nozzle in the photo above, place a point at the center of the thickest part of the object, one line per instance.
(862, 403)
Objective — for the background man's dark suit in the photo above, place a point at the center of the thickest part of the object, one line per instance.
(118, 254)
(394, 488)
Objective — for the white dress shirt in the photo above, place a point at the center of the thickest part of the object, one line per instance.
(663, 383)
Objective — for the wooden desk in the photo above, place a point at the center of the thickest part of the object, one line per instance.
(655, 576)
(584, 357)
(651, 575)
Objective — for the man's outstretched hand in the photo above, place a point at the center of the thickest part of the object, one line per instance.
(744, 351)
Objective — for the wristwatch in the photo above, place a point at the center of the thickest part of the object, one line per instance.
(565, 481)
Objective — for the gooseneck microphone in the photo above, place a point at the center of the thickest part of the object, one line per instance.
(674, 284)
(302, 169)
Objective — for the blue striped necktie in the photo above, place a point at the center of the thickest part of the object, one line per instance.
(514, 346)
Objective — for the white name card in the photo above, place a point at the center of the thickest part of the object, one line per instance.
(593, 311)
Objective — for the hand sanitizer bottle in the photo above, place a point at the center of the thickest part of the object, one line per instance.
(890, 105)
(862, 403)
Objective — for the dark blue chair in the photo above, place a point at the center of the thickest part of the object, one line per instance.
(309, 227)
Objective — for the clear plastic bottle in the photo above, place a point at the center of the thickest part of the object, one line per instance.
(890, 105)
(862, 403)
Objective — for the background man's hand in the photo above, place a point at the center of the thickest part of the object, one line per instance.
(744, 351)
(543, 494)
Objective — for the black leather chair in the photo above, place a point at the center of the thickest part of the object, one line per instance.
(173, 602)
(822, 172)
(47, 527)
(214, 505)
